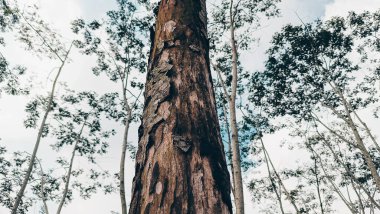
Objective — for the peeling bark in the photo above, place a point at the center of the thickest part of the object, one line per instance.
(180, 163)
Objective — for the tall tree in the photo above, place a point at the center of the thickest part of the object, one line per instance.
(236, 20)
(312, 79)
(121, 56)
(180, 163)
(43, 41)
(312, 65)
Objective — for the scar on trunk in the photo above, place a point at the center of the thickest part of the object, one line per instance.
(183, 143)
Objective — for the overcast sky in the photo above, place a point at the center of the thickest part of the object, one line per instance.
(60, 14)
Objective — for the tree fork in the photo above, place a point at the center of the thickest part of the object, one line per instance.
(180, 162)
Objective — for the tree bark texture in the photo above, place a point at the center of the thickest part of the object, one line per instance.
(180, 163)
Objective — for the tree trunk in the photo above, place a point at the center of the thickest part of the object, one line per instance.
(227, 124)
(236, 162)
(122, 160)
(69, 171)
(318, 185)
(43, 198)
(360, 144)
(272, 181)
(25, 181)
(288, 196)
(229, 148)
(333, 185)
(180, 163)
(348, 171)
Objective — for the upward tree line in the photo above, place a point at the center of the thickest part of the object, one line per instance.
(320, 86)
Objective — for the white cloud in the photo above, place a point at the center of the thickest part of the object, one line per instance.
(342, 7)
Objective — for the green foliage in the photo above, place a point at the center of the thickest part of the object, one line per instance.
(365, 26)
(8, 16)
(121, 56)
(76, 124)
(12, 169)
(9, 75)
(305, 67)
(9, 78)
(319, 76)
(72, 113)
(123, 50)
(38, 37)
(246, 15)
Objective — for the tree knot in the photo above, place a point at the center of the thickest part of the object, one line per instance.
(163, 68)
(195, 48)
(183, 143)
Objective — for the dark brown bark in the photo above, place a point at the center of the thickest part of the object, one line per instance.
(180, 163)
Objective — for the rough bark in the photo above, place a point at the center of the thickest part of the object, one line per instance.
(180, 163)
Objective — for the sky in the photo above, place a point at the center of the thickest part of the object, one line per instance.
(60, 13)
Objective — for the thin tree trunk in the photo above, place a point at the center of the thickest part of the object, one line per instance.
(349, 196)
(229, 148)
(335, 188)
(216, 68)
(129, 111)
(288, 196)
(367, 129)
(272, 180)
(349, 107)
(347, 170)
(359, 198)
(180, 162)
(221, 81)
(236, 162)
(359, 140)
(366, 155)
(39, 136)
(68, 175)
(122, 161)
(333, 131)
(318, 185)
(43, 188)
(372, 204)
